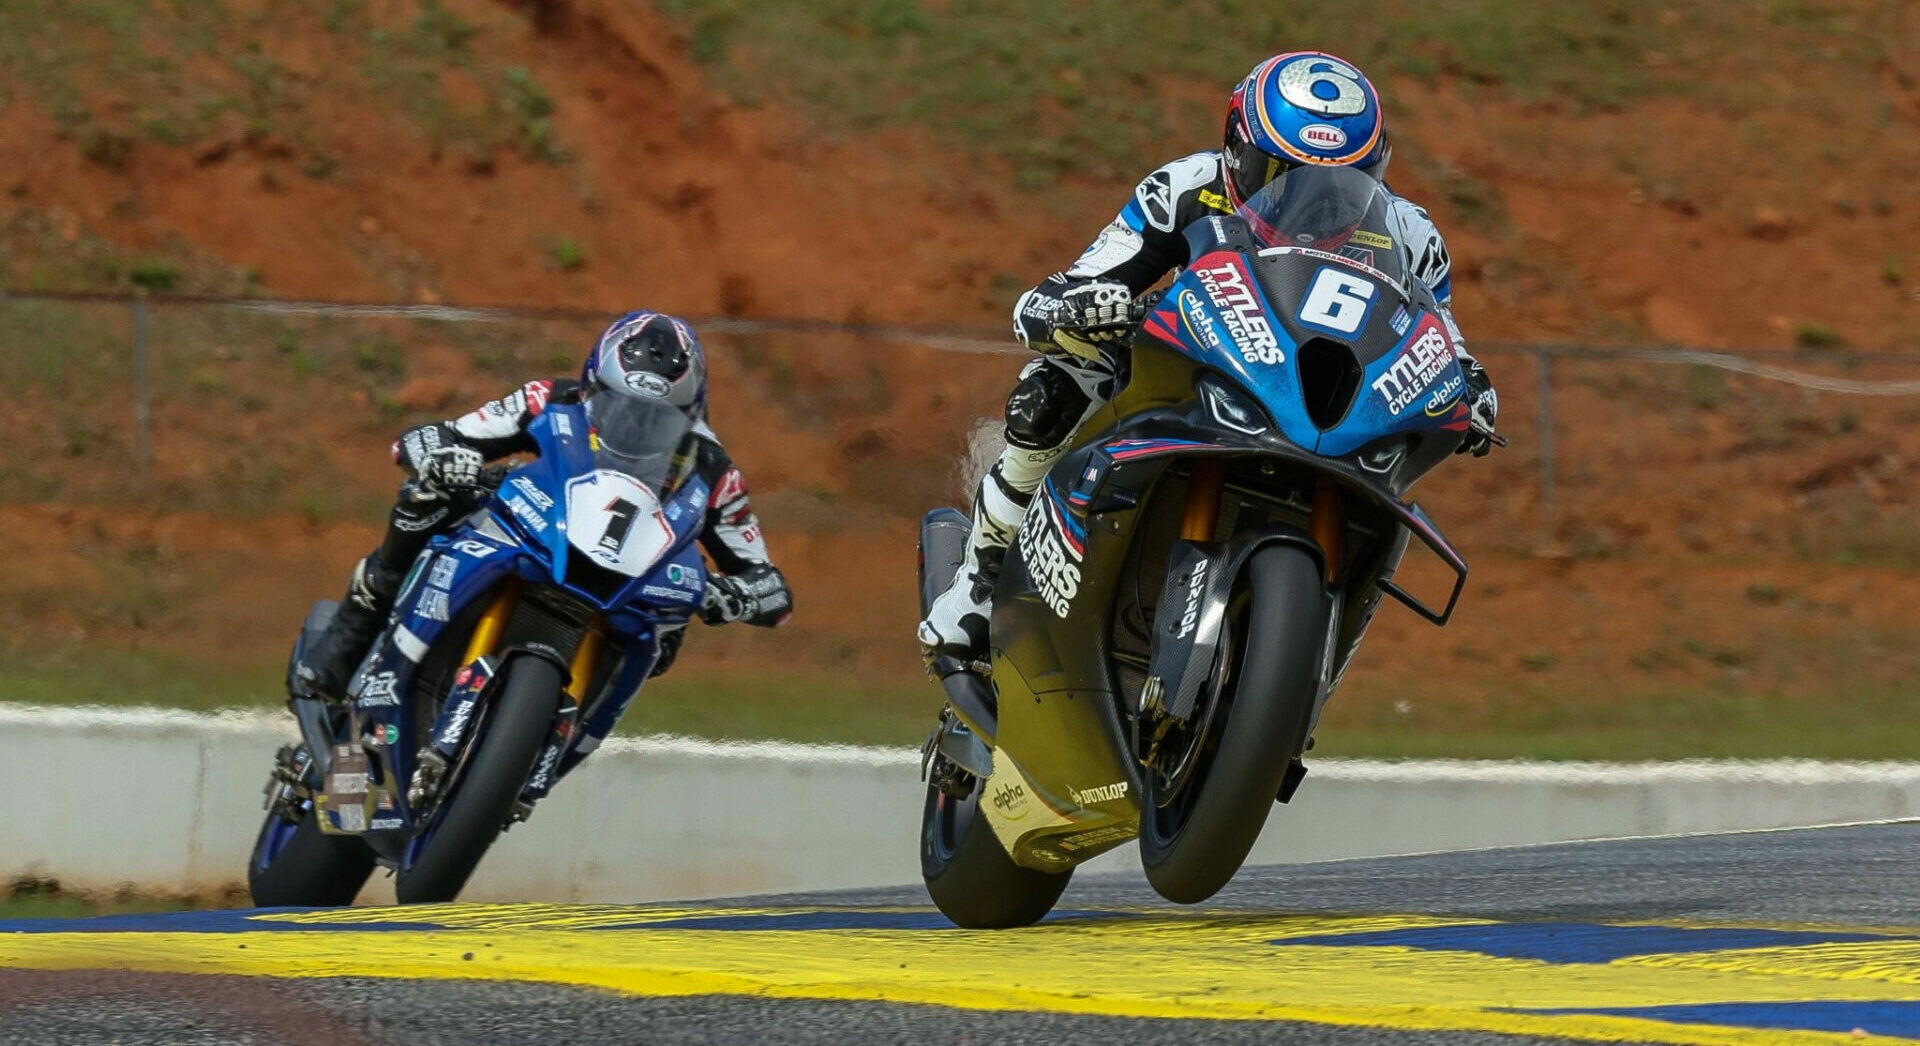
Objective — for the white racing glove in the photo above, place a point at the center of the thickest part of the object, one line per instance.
(1091, 315)
(451, 468)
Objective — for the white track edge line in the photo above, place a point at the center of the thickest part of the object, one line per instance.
(1760, 772)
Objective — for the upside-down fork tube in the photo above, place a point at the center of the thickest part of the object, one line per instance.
(486, 633)
(1203, 499)
(586, 657)
(1329, 523)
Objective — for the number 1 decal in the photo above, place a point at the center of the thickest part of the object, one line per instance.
(1338, 301)
(620, 514)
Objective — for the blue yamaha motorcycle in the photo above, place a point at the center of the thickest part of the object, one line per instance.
(1193, 575)
(514, 646)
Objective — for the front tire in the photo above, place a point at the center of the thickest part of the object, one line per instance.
(1193, 841)
(484, 794)
(295, 865)
(968, 873)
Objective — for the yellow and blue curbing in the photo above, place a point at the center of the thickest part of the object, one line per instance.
(1694, 983)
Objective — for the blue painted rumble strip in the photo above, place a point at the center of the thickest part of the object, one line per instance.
(235, 921)
(1896, 1019)
(837, 920)
(1567, 943)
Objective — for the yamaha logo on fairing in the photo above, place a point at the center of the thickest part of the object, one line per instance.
(533, 492)
(1240, 309)
(1051, 559)
(1196, 587)
(1413, 370)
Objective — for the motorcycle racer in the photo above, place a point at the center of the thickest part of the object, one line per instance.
(1303, 107)
(643, 353)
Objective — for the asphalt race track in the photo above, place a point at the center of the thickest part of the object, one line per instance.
(1782, 937)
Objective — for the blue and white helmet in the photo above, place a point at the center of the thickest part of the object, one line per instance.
(1299, 108)
(654, 355)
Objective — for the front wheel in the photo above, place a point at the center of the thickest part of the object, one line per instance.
(969, 875)
(1196, 829)
(295, 865)
(483, 795)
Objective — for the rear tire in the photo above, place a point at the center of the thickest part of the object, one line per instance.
(1192, 843)
(968, 873)
(299, 866)
(484, 795)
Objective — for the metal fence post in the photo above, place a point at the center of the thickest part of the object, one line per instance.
(1544, 394)
(142, 395)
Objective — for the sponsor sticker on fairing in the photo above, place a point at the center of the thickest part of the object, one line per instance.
(1102, 794)
(1199, 321)
(1231, 287)
(1051, 558)
(1010, 799)
(443, 571)
(533, 492)
(381, 688)
(1418, 366)
(434, 605)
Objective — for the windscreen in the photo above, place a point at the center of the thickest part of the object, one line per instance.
(1336, 210)
(637, 435)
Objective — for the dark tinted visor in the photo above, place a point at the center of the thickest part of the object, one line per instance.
(637, 435)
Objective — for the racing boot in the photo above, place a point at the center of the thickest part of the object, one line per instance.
(329, 663)
(957, 622)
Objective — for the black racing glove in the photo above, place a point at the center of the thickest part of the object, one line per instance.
(757, 595)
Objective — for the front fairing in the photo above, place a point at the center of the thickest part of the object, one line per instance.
(1251, 314)
(603, 533)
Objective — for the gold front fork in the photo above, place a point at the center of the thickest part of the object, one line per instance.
(1203, 499)
(486, 634)
(1329, 523)
(586, 657)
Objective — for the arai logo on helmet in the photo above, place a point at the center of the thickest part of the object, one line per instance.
(647, 384)
(1323, 136)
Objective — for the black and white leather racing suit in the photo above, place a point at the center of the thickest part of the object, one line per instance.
(1074, 376)
(750, 587)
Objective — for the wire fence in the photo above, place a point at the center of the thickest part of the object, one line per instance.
(226, 459)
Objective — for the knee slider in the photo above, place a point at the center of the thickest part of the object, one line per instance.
(1044, 408)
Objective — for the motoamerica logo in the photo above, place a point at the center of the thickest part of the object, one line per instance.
(1246, 321)
(1054, 563)
(1102, 794)
(1415, 369)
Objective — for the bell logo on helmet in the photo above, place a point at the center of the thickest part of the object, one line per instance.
(1323, 136)
(647, 384)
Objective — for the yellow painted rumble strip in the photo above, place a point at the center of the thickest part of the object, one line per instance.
(1219, 965)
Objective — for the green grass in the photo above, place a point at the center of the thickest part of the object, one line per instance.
(33, 897)
(1868, 723)
(1064, 87)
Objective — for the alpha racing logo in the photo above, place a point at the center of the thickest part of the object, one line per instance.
(1227, 284)
(1199, 321)
(1414, 369)
(1052, 560)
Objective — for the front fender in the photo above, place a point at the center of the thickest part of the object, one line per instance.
(1191, 615)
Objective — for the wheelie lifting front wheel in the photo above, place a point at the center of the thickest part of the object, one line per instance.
(1197, 827)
